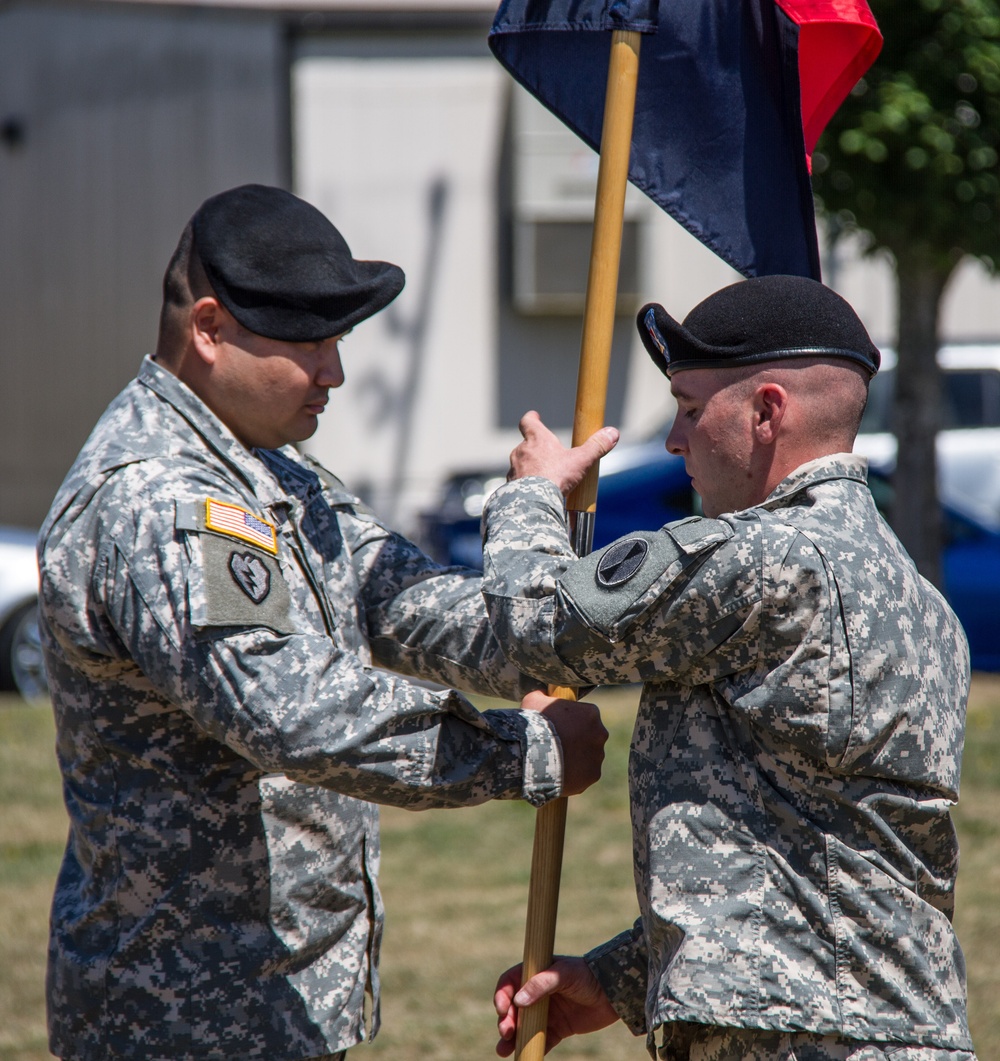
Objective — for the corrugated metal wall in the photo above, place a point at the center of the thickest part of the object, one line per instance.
(115, 123)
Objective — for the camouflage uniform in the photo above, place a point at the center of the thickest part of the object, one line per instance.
(796, 753)
(212, 619)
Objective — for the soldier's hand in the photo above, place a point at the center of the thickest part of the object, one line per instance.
(581, 733)
(577, 1002)
(541, 453)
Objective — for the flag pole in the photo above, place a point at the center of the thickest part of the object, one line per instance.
(591, 396)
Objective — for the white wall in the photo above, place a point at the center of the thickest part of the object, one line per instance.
(402, 155)
(434, 381)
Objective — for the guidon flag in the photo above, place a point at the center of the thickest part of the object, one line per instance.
(732, 97)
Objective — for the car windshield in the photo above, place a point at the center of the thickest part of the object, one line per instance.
(970, 395)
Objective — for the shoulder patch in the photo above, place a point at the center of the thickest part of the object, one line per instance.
(236, 522)
(611, 588)
(242, 587)
(621, 561)
(251, 574)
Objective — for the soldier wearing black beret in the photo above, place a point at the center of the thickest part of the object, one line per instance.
(767, 319)
(800, 729)
(225, 626)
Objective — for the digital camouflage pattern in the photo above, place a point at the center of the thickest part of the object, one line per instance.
(702, 1042)
(795, 755)
(213, 623)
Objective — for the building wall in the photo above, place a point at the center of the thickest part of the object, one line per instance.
(118, 119)
(397, 141)
(407, 142)
(118, 122)
(418, 147)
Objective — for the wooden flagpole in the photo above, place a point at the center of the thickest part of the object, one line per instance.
(591, 397)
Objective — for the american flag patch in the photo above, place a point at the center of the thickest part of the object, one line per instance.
(239, 523)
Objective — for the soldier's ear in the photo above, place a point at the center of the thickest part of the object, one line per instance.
(770, 402)
(206, 326)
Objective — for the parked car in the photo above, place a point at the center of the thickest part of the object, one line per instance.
(968, 446)
(970, 388)
(21, 666)
(641, 486)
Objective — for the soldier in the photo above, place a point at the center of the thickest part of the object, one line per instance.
(800, 729)
(220, 617)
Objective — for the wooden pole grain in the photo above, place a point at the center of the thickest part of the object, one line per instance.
(591, 397)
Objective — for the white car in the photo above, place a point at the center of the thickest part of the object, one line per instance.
(22, 668)
(968, 447)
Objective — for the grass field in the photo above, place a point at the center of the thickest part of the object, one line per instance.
(455, 884)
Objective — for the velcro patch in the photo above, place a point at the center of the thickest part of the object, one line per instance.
(621, 561)
(240, 587)
(236, 522)
(611, 588)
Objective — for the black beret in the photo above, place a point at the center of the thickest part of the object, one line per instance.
(765, 318)
(281, 268)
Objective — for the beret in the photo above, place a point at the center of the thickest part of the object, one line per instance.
(765, 318)
(281, 268)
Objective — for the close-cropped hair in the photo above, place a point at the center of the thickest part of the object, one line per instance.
(836, 390)
(184, 282)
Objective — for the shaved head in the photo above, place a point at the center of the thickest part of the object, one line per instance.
(184, 283)
(742, 430)
(830, 395)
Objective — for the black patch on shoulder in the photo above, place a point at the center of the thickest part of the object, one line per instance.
(622, 561)
(251, 575)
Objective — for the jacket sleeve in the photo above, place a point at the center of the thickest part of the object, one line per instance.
(649, 606)
(621, 966)
(258, 677)
(424, 619)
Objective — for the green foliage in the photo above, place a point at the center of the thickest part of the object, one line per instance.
(911, 157)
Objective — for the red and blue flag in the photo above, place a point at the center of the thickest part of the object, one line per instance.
(732, 97)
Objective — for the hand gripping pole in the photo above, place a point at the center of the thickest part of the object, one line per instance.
(591, 396)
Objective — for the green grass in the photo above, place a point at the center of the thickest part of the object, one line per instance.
(32, 836)
(455, 884)
(977, 911)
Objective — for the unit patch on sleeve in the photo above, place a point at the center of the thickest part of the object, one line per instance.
(235, 577)
(251, 575)
(243, 587)
(621, 561)
(236, 522)
(611, 588)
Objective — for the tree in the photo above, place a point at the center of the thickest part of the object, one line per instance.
(910, 163)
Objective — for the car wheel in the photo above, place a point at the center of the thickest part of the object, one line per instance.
(22, 667)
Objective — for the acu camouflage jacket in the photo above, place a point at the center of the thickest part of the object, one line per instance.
(213, 620)
(795, 756)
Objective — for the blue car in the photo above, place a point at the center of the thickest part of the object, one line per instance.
(641, 486)
(971, 565)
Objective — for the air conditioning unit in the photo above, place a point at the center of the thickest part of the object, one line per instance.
(554, 186)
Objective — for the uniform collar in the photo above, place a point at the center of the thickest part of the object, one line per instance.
(835, 466)
(211, 430)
